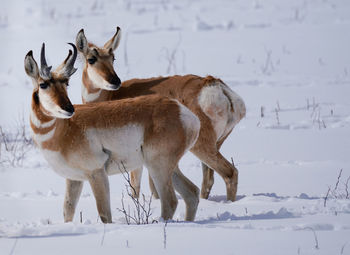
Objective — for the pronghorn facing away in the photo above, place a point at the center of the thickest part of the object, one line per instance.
(216, 105)
(103, 137)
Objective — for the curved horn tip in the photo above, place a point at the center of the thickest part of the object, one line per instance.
(118, 28)
(68, 68)
(73, 45)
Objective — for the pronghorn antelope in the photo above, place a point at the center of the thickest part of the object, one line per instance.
(216, 105)
(90, 142)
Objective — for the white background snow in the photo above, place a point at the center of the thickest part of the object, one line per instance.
(289, 58)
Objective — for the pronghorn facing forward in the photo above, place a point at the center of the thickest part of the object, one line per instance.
(216, 105)
(102, 137)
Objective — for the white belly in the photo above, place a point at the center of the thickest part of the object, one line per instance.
(62, 167)
(124, 144)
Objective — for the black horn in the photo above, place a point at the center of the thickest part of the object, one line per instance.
(67, 67)
(45, 71)
(71, 60)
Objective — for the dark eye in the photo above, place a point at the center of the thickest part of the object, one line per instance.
(44, 85)
(92, 60)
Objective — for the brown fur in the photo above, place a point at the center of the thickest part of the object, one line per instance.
(78, 149)
(183, 88)
(186, 90)
(149, 113)
(104, 65)
(163, 132)
(87, 81)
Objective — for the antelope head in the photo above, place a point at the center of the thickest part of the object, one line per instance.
(99, 61)
(50, 87)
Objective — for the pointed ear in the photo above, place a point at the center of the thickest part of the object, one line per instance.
(114, 41)
(30, 66)
(81, 42)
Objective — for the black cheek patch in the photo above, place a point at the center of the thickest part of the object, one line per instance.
(36, 97)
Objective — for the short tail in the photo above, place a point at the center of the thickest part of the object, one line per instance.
(224, 107)
(237, 103)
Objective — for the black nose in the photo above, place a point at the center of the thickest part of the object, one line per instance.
(69, 108)
(115, 81)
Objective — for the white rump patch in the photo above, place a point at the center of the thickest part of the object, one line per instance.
(238, 106)
(191, 124)
(216, 106)
(237, 102)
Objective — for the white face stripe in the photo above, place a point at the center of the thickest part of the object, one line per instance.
(37, 123)
(48, 104)
(89, 97)
(54, 109)
(97, 80)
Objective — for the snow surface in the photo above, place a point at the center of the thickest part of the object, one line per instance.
(293, 56)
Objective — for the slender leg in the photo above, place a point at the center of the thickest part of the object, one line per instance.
(224, 168)
(207, 150)
(208, 181)
(152, 188)
(100, 186)
(208, 173)
(162, 179)
(71, 198)
(188, 191)
(135, 179)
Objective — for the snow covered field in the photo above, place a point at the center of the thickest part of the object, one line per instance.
(290, 62)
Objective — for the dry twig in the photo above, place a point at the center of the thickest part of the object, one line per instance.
(142, 211)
